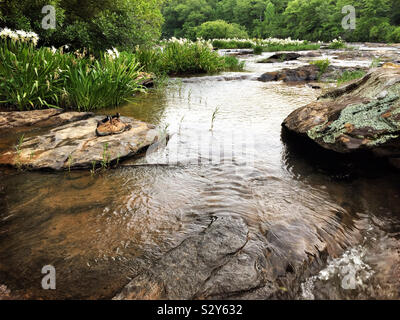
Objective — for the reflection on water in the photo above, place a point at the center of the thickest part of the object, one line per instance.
(100, 231)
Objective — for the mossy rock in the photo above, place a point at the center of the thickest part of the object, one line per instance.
(363, 115)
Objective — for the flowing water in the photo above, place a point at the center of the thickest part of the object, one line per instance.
(99, 229)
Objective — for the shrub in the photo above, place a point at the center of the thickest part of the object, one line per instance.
(220, 29)
(395, 35)
(322, 65)
(107, 82)
(258, 49)
(233, 64)
(270, 44)
(29, 78)
(181, 56)
(337, 44)
(33, 78)
(233, 43)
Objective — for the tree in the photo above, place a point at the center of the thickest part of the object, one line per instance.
(220, 29)
(99, 24)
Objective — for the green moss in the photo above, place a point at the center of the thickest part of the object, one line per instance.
(360, 116)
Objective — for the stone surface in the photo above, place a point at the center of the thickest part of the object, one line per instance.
(75, 145)
(363, 115)
(202, 266)
(304, 73)
(39, 118)
(281, 57)
(236, 52)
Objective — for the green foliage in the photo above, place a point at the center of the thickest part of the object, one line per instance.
(29, 78)
(220, 29)
(350, 76)
(233, 64)
(290, 47)
(98, 25)
(258, 49)
(312, 20)
(102, 83)
(322, 65)
(232, 44)
(184, 57)
(337, 44)
(33, 78)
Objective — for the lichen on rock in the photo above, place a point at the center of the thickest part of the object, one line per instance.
(362, 115)
(369, 117)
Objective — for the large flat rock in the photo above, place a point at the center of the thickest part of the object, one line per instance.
(45, 117)
(363, 115)
(75, 144)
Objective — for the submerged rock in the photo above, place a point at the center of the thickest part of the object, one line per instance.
(363, 115)
(76, 145)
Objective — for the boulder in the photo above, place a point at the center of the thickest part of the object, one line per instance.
(39, 118)
(281, 57)
(184, 270)
(363, 115)
(75, 145)
(304, 73)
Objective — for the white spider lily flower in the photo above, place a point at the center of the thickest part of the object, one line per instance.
(116, 52)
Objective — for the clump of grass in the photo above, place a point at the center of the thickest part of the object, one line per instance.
(213, 117)
(258, 49)
(178, 57)
(70, 162)
(32, 78)
(233, 64)
(350, 76)
(105, 161)
(376, 62)
(93, 170)
(337, 44)
(322, 66)
(102, 83)
(18, 150)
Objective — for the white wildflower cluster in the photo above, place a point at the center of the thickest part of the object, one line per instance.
(268, 41)
(182, 41)
(338, 40)
(276, 41)
(112, 53)
(20, 36)
(253, 42)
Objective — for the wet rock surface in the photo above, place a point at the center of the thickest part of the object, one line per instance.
(363, 115)
(236, 52)
(281, 57)
(227, 260)
(304, 73)
(75, 145)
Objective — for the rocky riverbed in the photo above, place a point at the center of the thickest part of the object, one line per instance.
(241, 209)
